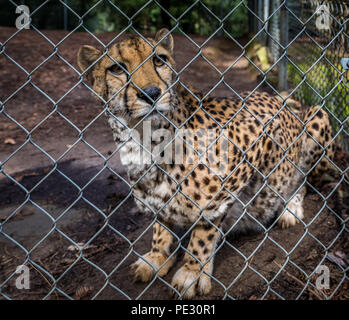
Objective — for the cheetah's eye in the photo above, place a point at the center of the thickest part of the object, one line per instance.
(160, 60)
(117, 69)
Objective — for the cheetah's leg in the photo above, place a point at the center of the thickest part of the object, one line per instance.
(193, 278)
(316, 146)
(157, 259)
(294, 210)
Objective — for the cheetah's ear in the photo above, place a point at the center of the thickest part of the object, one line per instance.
(86, 56)
(166, 39)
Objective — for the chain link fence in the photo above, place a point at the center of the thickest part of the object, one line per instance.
(85, 248)
(317, 43)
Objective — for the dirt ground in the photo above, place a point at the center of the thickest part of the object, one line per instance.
(52, 118)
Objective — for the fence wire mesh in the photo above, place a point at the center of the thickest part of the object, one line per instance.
(317, 32)
(274, 264)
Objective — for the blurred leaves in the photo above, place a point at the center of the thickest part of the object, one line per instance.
(115, 16)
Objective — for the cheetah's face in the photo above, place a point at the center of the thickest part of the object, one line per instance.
(134, 77)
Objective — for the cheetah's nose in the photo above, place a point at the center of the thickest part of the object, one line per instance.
(152, 92)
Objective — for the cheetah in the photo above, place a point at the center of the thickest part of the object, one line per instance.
(242, 162)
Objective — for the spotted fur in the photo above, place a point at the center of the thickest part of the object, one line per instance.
(254, 175)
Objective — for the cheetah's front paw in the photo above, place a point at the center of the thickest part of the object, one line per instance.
(157, 262)
(188, 282)
(296, 207)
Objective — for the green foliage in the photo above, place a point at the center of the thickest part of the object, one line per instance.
(200, 21)
(324, 79)
(105, 16)
(99, 22)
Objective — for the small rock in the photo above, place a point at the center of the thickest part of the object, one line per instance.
(10, 141)
(339, 258)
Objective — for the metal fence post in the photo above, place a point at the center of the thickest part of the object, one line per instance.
(252, 21)
(282, 72)
(65, 16)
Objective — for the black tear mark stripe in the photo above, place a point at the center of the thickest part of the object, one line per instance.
(170, 91)
(107, 91)
(128, 110)
(119, 50)
(160, 77)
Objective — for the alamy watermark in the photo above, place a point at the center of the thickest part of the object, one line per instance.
(23, 280)
(323, 280)
(323, 21)
(181, 146)
(23, 20)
